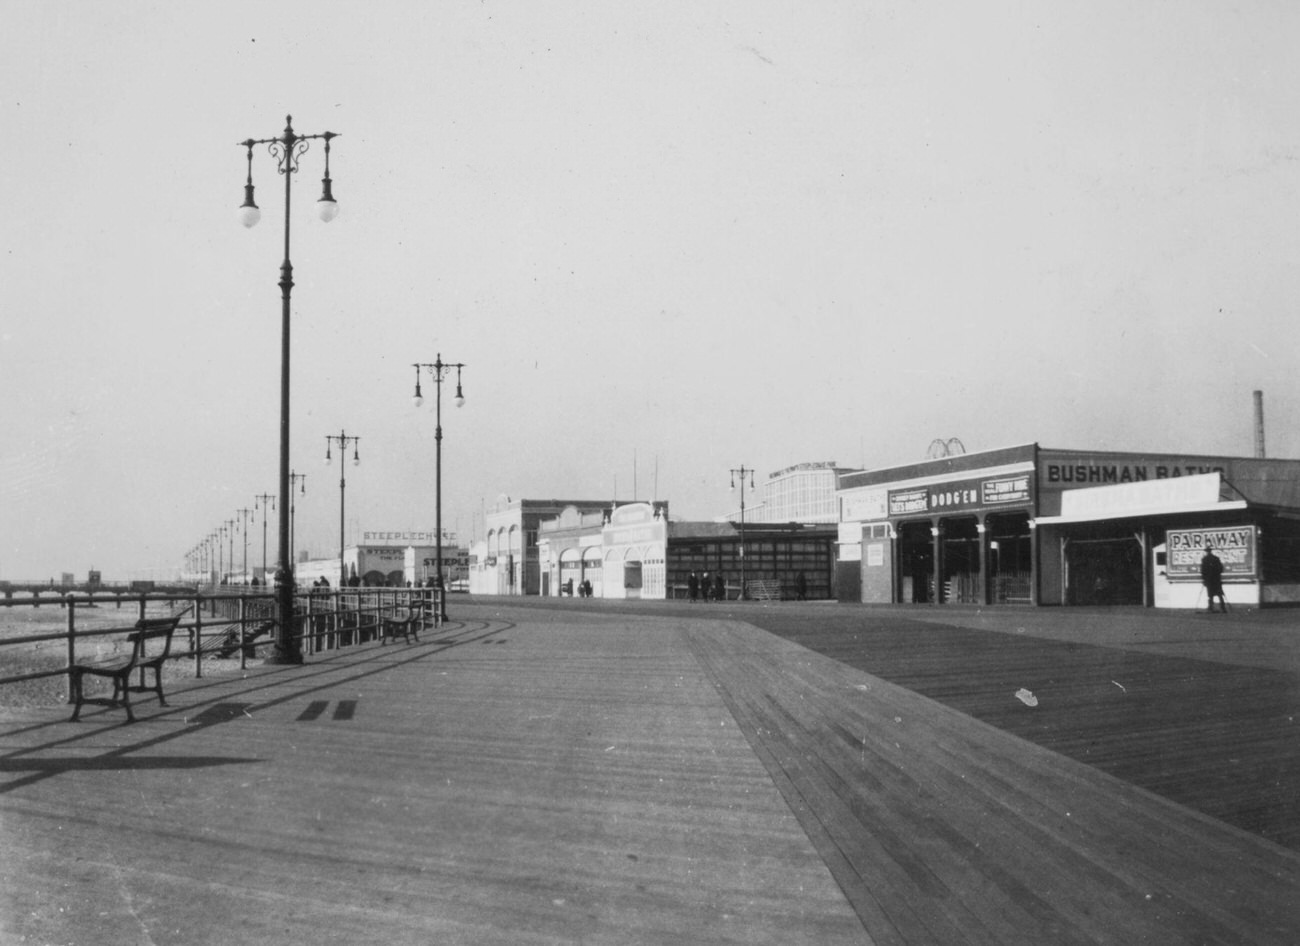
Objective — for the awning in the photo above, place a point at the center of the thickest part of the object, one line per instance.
(1170, 510)
(1168, 497)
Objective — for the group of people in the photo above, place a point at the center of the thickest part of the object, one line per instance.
(702, 588)
(584, 588)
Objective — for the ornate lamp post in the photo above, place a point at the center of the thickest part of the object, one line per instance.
(261, 501)
(295, 479)
(230, 531)
(437, 371)
(219, 537)
(287, 149)
(741, 472)
(243, 515)
(342, 439)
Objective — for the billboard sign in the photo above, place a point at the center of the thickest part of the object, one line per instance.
(1236, 547)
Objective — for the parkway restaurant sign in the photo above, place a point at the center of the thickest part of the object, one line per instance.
(1234, 545)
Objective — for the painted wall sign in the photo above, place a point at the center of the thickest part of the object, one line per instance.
(1011, 489)
(864, 505)
(409, 538)
(908, 502)
(961, 496)
(1234, 545)
(1107, 471)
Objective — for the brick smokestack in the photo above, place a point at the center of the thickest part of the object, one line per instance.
(1259, 424)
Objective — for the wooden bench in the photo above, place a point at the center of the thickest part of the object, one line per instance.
(232, 640)
(404, 623)
(151, 643)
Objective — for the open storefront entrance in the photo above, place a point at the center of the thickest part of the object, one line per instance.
(1011, 558)
(915, 563)
(1104, 571)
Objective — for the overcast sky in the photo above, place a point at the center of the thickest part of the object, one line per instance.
(666, 240)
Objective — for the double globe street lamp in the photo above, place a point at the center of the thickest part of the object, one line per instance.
(287, 149)
(437, 371)
(342, 438)
(742, 471)
(297, 481)
(264, 501)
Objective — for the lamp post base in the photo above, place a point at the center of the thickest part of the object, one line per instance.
(279, 658)
(285, 649)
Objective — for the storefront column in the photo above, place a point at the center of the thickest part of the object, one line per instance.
(981, 530)
(1034, 566)
(936, 538)
(895, 567)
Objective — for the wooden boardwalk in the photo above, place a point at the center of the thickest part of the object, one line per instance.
(942, 829)
(578, 775)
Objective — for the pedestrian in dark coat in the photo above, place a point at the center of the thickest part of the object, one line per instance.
(705, 587)
(1212, 579)
(719, 587)
(693, 586)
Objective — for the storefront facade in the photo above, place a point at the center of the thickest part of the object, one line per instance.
(509, 563)
(1027, 525)
(954, 530)
(569, 552)
(634, 551)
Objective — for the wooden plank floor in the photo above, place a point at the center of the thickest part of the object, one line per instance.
(1218, 736)
(506, 781)
(543, 775)
(942, 829)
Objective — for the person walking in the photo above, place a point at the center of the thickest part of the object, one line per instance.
(719, 587)
(1212, 579)
(693, 586)
(705, 587)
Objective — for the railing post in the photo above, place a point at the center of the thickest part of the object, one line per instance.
(72, 646)
(243, 627)
(198, 633)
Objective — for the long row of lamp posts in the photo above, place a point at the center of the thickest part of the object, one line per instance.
(287, 148)
(201, 559)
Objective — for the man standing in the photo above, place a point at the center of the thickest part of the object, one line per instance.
(1212, 579)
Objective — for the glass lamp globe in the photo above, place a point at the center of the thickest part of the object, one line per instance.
(249, 215)
(328, 209)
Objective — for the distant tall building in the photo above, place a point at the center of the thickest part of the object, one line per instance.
(805, 492)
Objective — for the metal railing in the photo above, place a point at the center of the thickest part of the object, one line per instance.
(216, 625)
